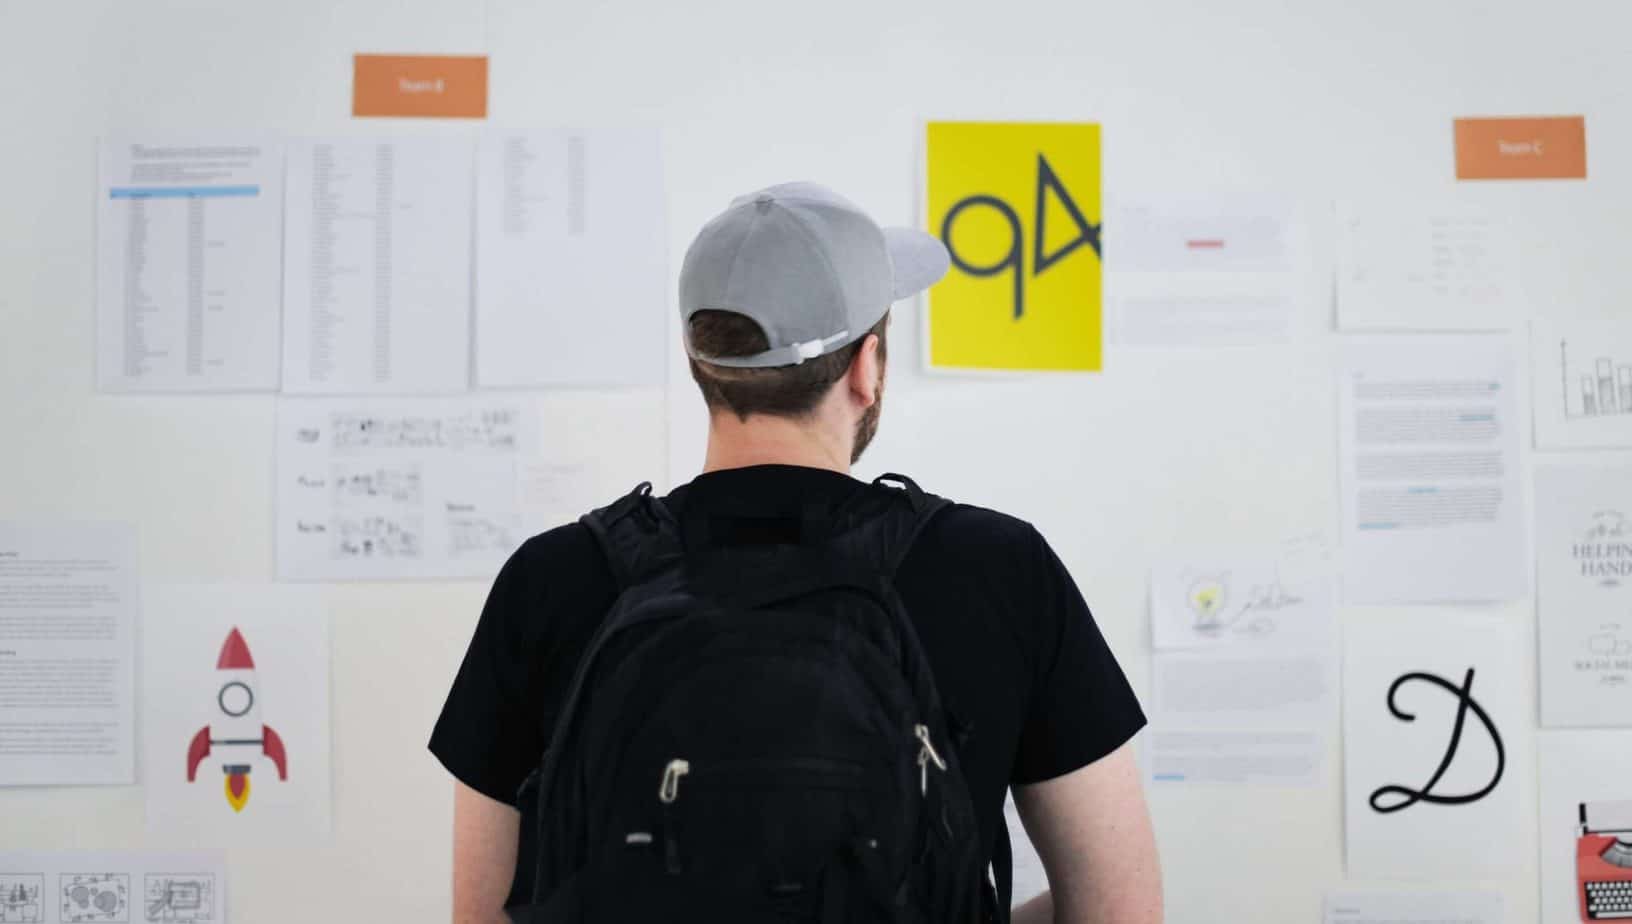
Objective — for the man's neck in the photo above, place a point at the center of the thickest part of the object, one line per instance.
(766, 440)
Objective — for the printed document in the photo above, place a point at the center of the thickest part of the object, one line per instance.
(1434, 266)
(1203, 272)
(570, 244)
(67, 644)
(1352, 906)
(1584, 593)
(1429, 454)
(188, 242)
(377, 267)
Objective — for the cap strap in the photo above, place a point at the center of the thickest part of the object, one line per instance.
(791, 355)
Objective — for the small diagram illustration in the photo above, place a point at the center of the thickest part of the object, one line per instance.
(95, 897)
(1596, 386)
(1609, 642)
(1603, 860)
(1206, 597)
(183, 897)
(237, 736)
(376, 537)
(20, 898)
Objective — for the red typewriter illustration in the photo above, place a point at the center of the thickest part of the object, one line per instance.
(1603, 861)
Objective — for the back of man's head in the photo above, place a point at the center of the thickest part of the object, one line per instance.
(778, 391)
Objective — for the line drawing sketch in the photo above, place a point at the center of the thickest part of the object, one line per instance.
(1216, 612)
(20, 901)
(179, 897)
(1595, 387)
(95, 897)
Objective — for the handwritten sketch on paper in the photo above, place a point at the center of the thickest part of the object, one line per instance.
(1430, 473)
(1217, 271)
(400, 489)
(1276, 595)
(377, 266)
(236, 714)
(1582, 384)
(1431, 712)
(570, 237)
(1424, 265)
(68, 605)
(1584, 593)
(189, 237)
(112, 887)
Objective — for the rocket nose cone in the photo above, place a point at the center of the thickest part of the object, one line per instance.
(234, 653)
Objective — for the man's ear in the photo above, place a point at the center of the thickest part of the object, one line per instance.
(863, 379)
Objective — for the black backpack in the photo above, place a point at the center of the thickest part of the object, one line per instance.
(754, 735)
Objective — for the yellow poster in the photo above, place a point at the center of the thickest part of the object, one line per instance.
(1017, 205)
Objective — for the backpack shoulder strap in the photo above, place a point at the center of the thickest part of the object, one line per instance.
(638, 535)
(886, 521)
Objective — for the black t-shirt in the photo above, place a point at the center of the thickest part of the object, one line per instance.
(1015, 652)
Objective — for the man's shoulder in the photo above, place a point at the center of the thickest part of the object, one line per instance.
(967, 533)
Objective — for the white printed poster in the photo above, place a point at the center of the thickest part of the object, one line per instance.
(401, 488)
(1582, 384)
(1425, 264)
(68, 614)
(1203, 272)
(377, 280)
(1435, 731)
(189, 239)
(1428, 448)
(235, 717)
(1585, 825)
(570, 259)
(113, 887)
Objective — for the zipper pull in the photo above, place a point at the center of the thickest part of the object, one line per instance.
(669, 789)
(667, 792)
(926, 755)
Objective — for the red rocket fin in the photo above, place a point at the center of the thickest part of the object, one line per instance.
(197, 751)
(234, 653)
(272, 747)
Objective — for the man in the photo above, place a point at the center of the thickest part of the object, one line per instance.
(785, 299)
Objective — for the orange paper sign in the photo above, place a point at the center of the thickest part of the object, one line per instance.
(435, 86)
(1551, 148)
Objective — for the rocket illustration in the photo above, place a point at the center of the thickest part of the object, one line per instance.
(236, 737)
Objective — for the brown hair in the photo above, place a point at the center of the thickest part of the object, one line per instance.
(782, 391)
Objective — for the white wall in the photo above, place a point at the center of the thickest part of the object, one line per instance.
(1314, 98)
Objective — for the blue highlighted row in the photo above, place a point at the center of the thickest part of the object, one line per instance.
(181, 192)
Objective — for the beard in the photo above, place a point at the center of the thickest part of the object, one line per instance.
(867, 426)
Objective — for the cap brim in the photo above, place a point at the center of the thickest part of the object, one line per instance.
(919, 260)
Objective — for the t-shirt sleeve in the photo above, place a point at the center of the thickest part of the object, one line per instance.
(1081, 707)
(487, 736)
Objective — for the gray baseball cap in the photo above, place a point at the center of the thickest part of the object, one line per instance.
(805, 264)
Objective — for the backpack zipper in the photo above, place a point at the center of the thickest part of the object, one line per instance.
(668, 790)
(926, 755)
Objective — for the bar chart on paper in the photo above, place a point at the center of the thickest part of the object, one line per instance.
(1583, 384)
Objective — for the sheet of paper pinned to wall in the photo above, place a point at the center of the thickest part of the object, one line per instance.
(1585, 829)
(570, 259)
(68, 608)
(1584, 593)
(377, 266)
(1202, 272)
(235, 714)
(1429, 455)
(1355, 906)
(189, 236)
(1244, 671)
(1435, 725)
(1426, 265)
(113, 886)
(400, 488)
(1581, 384)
